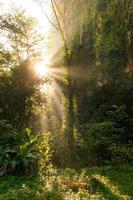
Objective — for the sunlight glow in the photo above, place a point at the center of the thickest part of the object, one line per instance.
(32, 8)
(42, 70)
(48, 73)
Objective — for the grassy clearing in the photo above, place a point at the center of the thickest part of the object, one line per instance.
(92, 183)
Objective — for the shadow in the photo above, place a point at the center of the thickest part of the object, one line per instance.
(98, 187)
(122, 178)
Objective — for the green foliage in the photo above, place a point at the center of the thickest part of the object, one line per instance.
(94, 124)
(104, 141)
(20, 88)
(18, 150)
(53, 195)
(121, 154)
(8, 149)
(18, 79)
(101, 82)
(19, 85)
(91, 183)
(19, 28)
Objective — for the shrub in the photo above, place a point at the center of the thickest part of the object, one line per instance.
(18, 152)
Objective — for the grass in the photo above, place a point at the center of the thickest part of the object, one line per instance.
(18, 188)
(111, 183)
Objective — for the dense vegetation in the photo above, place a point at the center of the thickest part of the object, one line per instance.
(98, 56)
(94, 184)
(92, 126)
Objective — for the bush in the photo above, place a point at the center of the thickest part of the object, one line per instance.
(121, 154)
(18, 152)
(95, 140)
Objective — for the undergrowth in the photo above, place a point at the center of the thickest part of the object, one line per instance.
(111, 183)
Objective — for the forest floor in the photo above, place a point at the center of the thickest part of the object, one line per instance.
(111, 183)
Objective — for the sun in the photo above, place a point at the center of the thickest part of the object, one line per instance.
(42, 69)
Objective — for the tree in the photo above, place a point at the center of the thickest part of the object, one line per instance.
(24, 41)
(19, 82)
(98, 58)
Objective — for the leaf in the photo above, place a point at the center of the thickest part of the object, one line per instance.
(13, 164)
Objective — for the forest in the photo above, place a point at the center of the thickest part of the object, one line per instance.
(66, 100)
